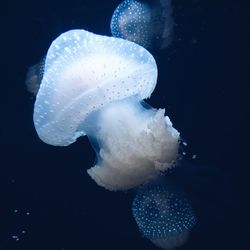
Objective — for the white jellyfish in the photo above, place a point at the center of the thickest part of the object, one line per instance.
(163, 214)
(95, 85)
(146, 22)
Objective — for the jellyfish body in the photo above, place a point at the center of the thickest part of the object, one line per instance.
(163, 214)
(34, 77)
(148, 23)
(94, 85)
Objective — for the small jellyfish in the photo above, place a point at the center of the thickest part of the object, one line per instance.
(148, 23)
(163, 214)
(95, 85)
(34, 77)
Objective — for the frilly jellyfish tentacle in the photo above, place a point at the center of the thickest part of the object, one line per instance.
(163, 214)
(136, 143)
(94, 85)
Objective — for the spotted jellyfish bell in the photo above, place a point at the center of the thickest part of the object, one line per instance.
(163, 214)
(145, 22)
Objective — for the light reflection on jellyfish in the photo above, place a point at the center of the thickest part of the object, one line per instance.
(163, 214)
(95, 85)
(146, 22)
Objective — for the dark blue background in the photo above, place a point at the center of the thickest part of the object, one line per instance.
(204, 86)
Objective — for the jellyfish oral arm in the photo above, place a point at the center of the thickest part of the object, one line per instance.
(135, 144)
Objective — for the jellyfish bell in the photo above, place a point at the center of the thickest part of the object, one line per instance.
(131, 21)
(164, 214)
(94, 85)
(145, 22)
(34, 77)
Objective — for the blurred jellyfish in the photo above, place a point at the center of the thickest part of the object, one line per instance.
(163, 214)
(148, 23)
(34, 77)
(95, 85)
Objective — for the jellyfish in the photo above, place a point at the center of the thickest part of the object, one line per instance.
(96, 85)
(34, 77)
(163, 214)
(148, 23)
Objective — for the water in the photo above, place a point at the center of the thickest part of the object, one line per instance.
(47, 199)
